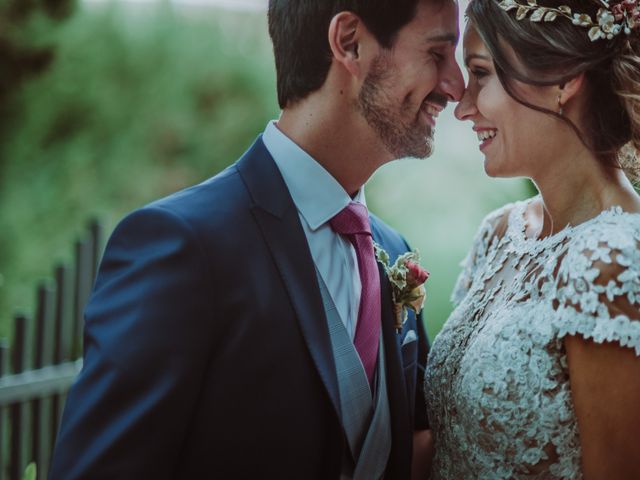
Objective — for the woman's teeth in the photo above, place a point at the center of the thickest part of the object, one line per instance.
(486, 134)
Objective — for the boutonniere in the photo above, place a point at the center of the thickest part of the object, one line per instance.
(407, 278)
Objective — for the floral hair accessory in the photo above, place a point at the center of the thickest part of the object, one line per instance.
(610, 20)
(407, 278)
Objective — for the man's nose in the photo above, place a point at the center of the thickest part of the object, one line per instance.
(452, 82)
(466, 107)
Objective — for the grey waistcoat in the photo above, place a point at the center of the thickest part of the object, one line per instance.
(366, 421)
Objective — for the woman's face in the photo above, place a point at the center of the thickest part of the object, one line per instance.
(515, 140)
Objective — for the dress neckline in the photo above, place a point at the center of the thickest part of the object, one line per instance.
(516, 230)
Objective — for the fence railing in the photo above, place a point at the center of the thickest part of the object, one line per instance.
(37, 370)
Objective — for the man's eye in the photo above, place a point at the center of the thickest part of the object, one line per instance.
(437, 56)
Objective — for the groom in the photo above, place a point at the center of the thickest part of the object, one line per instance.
(241, 329)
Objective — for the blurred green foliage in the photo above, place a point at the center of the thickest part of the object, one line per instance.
(139, 102)
(24, 52)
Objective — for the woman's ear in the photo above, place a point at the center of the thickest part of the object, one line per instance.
(570, 88)
(345, 34)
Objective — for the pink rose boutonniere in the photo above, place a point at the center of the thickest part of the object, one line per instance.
(407, 279)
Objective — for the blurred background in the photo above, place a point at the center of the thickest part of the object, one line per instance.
(105, 106)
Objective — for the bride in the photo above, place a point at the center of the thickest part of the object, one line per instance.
(536, 374)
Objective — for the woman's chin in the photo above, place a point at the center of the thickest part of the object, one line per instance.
(491, 169)
(497, 170)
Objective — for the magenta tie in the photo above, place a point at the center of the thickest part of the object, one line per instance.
(353, 222)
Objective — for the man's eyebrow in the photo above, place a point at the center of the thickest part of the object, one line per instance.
(471, 56)
(445, 37)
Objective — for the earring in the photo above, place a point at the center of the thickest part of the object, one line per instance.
(560, 106)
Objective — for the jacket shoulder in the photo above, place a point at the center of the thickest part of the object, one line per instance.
(221, 195)
(387, 237)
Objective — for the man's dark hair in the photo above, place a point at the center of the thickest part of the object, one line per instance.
(299, 32)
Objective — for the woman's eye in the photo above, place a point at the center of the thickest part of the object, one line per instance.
(479, 72)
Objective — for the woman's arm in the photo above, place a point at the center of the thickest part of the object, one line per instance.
(605, 386)
(602, 300)
(422, 454)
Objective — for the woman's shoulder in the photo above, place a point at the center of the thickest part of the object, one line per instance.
(492, 227)
(497, 222)
(609, 242)
(501, 215)
(614, 227)
(598, 280)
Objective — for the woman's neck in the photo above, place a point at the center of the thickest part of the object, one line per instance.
(577, 188)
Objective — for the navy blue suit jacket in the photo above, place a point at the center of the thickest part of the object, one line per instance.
(207, 353)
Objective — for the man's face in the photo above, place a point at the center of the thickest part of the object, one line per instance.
(408, 85)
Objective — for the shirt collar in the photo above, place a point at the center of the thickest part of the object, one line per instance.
(317, 195)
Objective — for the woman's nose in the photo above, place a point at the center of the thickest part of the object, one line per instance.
(466, 107)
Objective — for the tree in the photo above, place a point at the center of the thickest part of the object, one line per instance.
(23, 52)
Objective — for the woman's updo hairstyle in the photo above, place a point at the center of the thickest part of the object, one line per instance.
(554, 52)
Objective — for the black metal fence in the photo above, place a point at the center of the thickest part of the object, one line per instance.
(37, 370)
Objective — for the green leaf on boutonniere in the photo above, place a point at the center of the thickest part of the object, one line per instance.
(381, 255)
(406, 277)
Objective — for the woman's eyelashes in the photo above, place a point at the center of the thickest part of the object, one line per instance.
(478, 72)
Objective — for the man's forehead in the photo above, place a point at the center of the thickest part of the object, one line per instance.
(438, 19)
(450, 37)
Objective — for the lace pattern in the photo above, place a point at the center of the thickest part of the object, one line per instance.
(497, 386)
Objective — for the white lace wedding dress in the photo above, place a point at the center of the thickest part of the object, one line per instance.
(497, 385)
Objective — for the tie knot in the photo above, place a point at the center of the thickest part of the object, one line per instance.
(351, 220)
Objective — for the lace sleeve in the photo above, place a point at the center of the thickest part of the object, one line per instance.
(598, 295)
(487, 232)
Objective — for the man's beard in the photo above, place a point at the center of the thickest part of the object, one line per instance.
(401, 136)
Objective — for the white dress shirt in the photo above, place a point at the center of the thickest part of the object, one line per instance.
(319, 197)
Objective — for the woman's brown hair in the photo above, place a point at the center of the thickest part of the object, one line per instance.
(551, 53)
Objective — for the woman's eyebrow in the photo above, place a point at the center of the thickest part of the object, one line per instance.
(472, 56)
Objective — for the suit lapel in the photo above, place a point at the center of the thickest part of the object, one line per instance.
(398, 402)
(277, 217)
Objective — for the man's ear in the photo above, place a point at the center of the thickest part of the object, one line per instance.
(345, 33)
